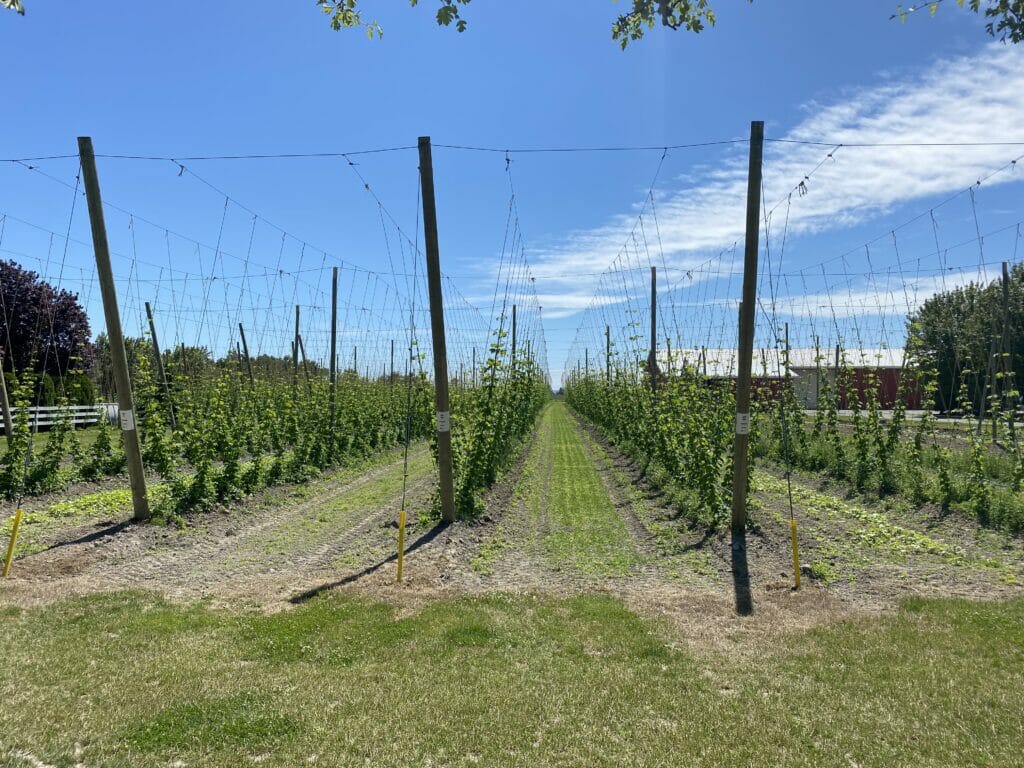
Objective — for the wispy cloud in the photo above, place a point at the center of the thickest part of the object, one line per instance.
(977, 98)
(874, 300)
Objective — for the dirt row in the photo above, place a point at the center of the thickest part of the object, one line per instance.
(259, 550)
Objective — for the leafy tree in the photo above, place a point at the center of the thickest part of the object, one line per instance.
(181, 363)
(185, 361)
(1006, 17)
(103, 370)
(42, 329)
(280, 367)
(956, 332)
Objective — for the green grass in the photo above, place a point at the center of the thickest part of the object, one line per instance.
(129, 680)
(675, 556)
(583, 529)
(86, 437)
(561, 510)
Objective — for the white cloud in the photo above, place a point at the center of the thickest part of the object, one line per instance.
(975, 98)
(872, 300)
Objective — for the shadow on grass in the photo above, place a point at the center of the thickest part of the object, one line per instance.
(423, 540)
(741, 574)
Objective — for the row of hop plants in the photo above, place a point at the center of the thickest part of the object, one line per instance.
(230, 437)
(62, 460)
(491, 420)
(920, 459)
(681, 431)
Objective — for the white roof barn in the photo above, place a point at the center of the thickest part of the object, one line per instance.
(722, 363)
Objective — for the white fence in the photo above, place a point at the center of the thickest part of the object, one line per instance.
(81, 415)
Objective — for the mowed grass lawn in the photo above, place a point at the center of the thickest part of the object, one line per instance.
(128, 680)
(582, 529)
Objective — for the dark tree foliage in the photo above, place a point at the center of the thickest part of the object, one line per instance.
(185, 361)
(42, 329)
(958, 334)
(103, 370)
(270, 366)
(181, 363)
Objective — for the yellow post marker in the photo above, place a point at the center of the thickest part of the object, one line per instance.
(796, 552)
(401, 543)
(12, 542)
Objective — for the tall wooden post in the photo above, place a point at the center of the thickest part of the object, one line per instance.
(5, 403)
(652, 357)
(608, 354)
(1006, 364)
(183, 359)
(474, 367)
(122, 381)
(444, 430)
(817, 372)
(305, 365)
(785, 343)
(586, 361)
(333, 357)
(391, 379)
(245, 352)
(513, 336)
(355, 360)
(295, 352)
(160, 365)
(746, 331)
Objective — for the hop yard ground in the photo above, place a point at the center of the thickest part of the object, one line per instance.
(580, 621)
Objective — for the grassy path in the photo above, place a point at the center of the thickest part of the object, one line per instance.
(129, 680)
(577, 516)
(562, 518)
(584, 529)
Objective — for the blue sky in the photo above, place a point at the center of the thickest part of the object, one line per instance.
(235, 78)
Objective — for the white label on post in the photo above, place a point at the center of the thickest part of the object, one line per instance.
(127, 421)
(444, 421)
(742, 423)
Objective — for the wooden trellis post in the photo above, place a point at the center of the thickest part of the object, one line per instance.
(160, 365)
(119, 359)
(745, 351)
(441, 403)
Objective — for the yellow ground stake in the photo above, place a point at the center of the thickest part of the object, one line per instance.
(13, 541)
(796, 551)
(401, 543)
